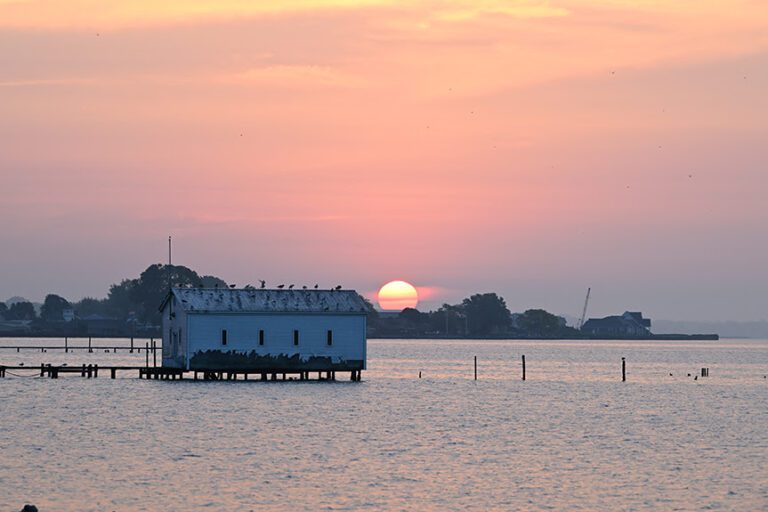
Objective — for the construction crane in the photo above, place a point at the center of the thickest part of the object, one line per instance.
(584, 312)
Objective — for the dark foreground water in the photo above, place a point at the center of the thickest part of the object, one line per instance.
(572, 437)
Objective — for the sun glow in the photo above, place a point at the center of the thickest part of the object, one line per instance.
(398, 295)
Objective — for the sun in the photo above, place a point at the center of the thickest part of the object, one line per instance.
(398, 295)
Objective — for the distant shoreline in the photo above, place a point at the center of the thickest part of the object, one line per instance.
(654, 337)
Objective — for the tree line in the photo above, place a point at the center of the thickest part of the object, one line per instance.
(481, 315)
(131, 308)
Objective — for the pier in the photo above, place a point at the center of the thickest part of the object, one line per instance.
(167, 373)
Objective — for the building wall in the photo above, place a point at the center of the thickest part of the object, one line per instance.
(174, 335)
(204, 348)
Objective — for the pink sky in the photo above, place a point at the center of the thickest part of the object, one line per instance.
(530, 148)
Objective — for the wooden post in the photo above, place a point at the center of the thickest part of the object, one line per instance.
(419, 374)
(66, 344)
(89, 344)
(523, 367)
(95, 371)
(82, 373)
(131, 345)
(154, 353)
(146, 351)
(623, 370)
(475, 367)
(112, 372)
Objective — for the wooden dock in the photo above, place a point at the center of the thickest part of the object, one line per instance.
(167, 373)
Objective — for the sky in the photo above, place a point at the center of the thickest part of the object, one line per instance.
(529, 148)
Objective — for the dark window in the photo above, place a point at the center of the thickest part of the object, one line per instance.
(223, 336)
(330, 337)
(261, 337)
(295, 337)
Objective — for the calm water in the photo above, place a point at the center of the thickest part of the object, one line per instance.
(573, 436)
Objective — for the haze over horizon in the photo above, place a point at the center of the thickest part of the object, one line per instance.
(528, 148)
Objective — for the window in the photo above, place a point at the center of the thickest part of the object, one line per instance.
(330, 337)
(261, 337)
(295, 337)
(223, 336)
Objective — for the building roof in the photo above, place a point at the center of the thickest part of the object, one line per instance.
(617, 322)
(223, 300)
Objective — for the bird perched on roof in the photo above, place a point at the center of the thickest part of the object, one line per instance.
(281, 286)
(263, 283)
(290, 287)
(303, 287)
(232, 286)
(338, 288)
(316, 286)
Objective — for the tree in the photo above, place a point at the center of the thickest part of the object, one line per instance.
(213, 282)
(148, 291)
(3, 310)
(22, 311)
(486, 313)
(53, 308)
(119, 301)
(413, 316)
(371, 313)
(541, 323)
(90, 306)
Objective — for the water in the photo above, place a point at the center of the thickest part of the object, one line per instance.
(573, 436)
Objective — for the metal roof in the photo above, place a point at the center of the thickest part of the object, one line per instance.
(222, 300)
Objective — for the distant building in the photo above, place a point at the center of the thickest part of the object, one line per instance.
(68, 314)
(630, 324)
(255, 329)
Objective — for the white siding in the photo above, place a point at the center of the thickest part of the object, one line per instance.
(174, 335)
(349, 337)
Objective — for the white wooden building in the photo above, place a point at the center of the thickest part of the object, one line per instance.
(253, 330)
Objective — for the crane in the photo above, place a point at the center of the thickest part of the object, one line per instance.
(584, 311)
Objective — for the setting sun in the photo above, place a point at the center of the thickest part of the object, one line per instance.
(398, 295)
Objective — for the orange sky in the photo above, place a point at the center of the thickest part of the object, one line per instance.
(526, 147)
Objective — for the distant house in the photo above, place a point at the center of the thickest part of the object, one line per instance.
(259, 329)
(628, 325)
(68, 314)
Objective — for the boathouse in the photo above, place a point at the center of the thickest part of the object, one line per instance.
(263, 330)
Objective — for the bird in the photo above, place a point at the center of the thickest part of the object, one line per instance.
(670, 374)
(338, 287)
(316, 286)
(281, 286)
(303, 287)
(232, 286)
(263, 283)
(696, 378)
(290, 287)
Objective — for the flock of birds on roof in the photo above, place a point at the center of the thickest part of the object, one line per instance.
(263, 285)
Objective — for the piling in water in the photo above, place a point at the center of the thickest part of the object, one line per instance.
(623, 370)
(475, 367)
(523, 367)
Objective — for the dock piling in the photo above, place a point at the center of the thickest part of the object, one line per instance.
(475, 367)
(523, 367)
(623, 370)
